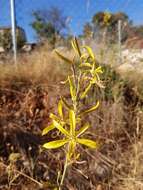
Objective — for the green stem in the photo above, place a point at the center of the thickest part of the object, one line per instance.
(64, 172)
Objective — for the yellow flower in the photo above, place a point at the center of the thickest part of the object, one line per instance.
(72, 136)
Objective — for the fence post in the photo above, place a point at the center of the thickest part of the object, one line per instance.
(13, 29)
(119, 41)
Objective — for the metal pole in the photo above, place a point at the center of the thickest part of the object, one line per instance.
(13, 30)
(119, 41)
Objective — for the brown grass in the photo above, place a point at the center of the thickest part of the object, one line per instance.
(29, 92)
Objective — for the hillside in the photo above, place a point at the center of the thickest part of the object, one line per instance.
(31, 91)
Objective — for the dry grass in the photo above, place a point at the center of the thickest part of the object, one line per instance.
(29, 92)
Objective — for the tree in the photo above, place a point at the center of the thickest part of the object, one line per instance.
(105, 24)
(49, 23)
(101, 19)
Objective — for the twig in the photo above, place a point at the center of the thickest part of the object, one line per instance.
(23, 174)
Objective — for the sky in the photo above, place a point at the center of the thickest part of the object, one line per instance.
(79, 12)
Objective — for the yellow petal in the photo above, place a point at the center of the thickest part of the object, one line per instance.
(63, 57)
(72, 122)
(82, 130)
(55, 144)
(87, 142)
(60, 128)
(47, 129)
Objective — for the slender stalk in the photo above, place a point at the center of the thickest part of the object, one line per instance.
(78, 86)
(64, 173)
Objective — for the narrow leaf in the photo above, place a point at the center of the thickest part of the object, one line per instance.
(47, 129)
(55, 144)
(63, 57)
(60, 128)
(53, 116)
(85, 65)
(60, 108)
(99, 70)
(87, 142)
(93, 108)
(72, 89)
(90, 52)
(86, 91)
(72, 122)
(93, 80)
(65, 103)
(71, 149)
(64, 82)
(83, 57)
(75, 46)
(82, 130)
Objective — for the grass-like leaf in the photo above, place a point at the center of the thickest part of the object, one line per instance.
(63, 57)
(87, 142)
(72, 122)
(60, 108)
(71, 149)
(90, 52)
(93, 108)
(86, 91)
(82, 130)
(99, 70)
(85, 65)
(54, 117)
(55, 144)
(72, 89)
(65, 103)
(60, 128)
(47, 129)
(75, 46)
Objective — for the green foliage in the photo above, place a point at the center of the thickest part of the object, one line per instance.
(44, 30)
(114, 85)
(49, 23)
(84, 76)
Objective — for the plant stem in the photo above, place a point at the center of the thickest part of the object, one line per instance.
(64, 172)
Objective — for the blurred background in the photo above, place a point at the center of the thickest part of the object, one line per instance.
(107, 21)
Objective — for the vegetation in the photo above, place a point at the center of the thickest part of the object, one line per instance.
(84, 76)
(28, 96)
(48, 24)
